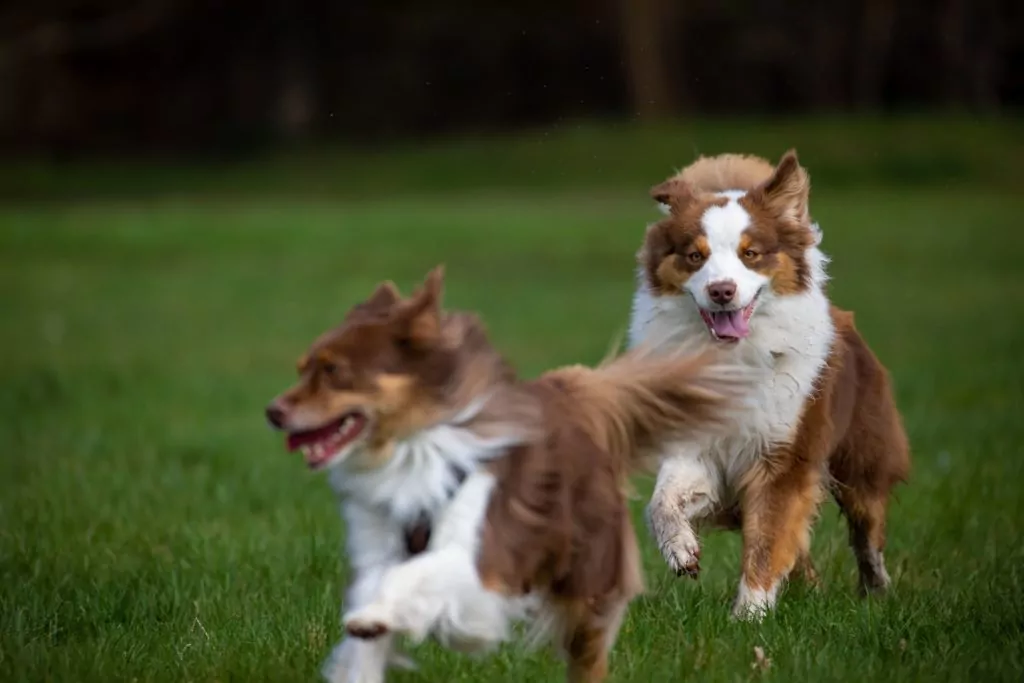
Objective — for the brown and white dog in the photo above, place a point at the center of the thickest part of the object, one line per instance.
(473, 499)
(735, 264)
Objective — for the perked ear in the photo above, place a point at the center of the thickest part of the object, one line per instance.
(672, 193)
(787, 192)
(384, 297)
(419, 322)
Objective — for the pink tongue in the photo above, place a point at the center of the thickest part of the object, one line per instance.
(299, 439)
(729, 324)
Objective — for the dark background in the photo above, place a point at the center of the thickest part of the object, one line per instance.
(224, 77)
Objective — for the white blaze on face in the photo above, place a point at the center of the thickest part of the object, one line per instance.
(724, 227)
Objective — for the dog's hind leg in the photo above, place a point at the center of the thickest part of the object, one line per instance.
(865, 516)
(804, 569)
(864, 469)
(872, 458)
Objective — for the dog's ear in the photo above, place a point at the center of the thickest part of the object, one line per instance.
(418, 323)
(786, 194)
(384, 297)
(672, 194)
(379, 304)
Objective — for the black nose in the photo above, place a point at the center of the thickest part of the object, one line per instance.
(722, 292)
(275, 415)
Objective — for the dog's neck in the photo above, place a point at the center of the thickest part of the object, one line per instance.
(427, 468)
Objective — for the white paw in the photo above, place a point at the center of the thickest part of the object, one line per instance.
(400, 660)
(368, 623)
(347, 664)
(874, 579)
(751, 612)
(752, 604)
(682, 552)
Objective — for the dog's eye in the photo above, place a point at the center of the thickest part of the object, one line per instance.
(750, 254)
(695, 257)
(330, 368)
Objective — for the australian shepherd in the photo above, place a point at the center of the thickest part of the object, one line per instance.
(735, 264)
(473, 499)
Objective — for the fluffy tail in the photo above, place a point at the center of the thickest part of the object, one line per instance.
(636, 403)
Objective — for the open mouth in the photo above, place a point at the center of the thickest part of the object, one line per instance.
(323, 445)
(729, 326)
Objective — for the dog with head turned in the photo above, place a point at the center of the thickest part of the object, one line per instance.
(474, 499)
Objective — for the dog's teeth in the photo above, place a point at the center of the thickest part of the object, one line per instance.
(307, 450)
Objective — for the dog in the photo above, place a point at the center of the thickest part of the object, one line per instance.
(473, 499)
(736, 264)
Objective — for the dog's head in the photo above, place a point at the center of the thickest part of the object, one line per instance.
(730, 250)
(383, 374)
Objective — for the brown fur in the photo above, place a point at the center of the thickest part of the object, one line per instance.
(777, 201)
(851, 429)
(558, 521)
(676, 247)
(850, 436)
(726, 172)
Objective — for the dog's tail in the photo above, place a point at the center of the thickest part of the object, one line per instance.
(635, 404)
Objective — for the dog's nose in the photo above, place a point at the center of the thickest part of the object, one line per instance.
(275, 415)
(722, 292)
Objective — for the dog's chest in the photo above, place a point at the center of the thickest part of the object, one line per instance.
(791, 339)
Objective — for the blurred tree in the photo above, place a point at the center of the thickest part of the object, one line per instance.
(878, 18)
(214, 76)
(645, 25)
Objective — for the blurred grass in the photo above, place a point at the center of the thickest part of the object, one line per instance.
(906, 150)
(152, 529)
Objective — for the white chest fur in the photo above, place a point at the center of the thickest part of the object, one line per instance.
(790, 336)
(420, 475)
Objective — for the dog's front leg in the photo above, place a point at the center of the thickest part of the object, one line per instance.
(685, 493)
(439, 591)
(778, 509)
(374, 547)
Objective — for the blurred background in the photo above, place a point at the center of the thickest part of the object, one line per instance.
(192, 190)
(227, 77)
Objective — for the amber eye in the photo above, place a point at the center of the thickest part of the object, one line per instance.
(750, 254)
(695, 257)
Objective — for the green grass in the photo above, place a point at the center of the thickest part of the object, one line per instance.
(152, 529)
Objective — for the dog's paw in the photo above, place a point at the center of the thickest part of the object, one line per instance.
(753, 604)
(367, 623)
(349, 664)
(402, 661)
(749, 612)
(682, 553)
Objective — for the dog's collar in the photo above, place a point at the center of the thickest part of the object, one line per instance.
(417, 534)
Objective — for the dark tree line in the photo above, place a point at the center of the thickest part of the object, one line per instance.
(81, 76)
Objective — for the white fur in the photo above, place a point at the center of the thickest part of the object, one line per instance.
(790, 336)
(419, 474)
(879, 580)
(724, 227)
(437, 591)
(753, 603)
(693, 488)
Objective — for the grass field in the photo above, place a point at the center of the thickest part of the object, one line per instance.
(152, 528)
